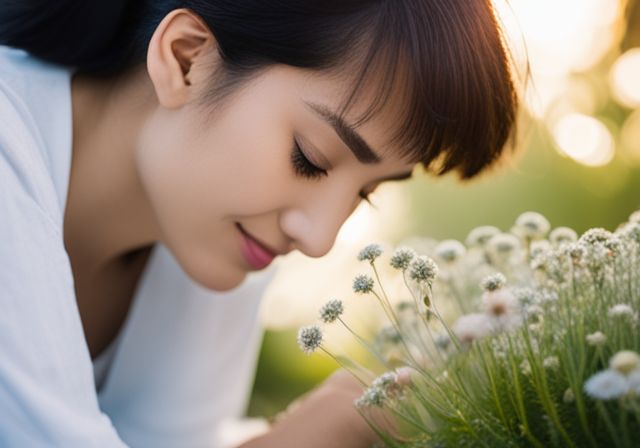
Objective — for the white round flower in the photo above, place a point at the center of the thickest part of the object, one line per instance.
(390, 384)
(402, 257)
(631, 231)
(596, 235)
(363, 284)
(535, 317)
(500, 302)
(597, 338)
(621, 310)
(526, 296)
(331, 311)
(309, 338)
(613, 245)
(479, 236)
(532, 225)
(551, 362)
(534, 312)
(561, 235)
(577, 252)
(635, 216)
(503, 245)
(450, 250)
(547, 296)
(470, 327)
(625, 362)
(493, 282)
(606, 385)
(633, 381)
(370, 253)
(423, 269)
(372, 396)
(540, 248)
(600, 246)
(384, 381)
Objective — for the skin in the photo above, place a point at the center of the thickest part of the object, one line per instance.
(146, 168)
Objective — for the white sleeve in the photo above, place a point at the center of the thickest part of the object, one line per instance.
(47, 395)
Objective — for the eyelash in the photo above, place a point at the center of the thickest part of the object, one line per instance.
(305, 168)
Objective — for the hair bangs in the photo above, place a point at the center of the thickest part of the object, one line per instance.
(447, 64)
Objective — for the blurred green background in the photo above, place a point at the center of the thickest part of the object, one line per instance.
(578, 163)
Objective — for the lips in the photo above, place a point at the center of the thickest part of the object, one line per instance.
(256, 253)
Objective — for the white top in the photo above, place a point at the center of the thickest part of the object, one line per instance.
(184, 359)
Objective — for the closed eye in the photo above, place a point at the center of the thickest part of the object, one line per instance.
(307, 169)
(302, 166)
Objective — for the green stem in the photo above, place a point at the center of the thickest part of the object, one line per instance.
(396, 326)
(623, 424)
(613, 433)
(520, 406)
(453, 337)
(494, 390)
(365, 344)
(360, 380)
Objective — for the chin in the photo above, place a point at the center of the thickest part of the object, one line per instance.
(218, 280)
(222, 285)
(213, 274)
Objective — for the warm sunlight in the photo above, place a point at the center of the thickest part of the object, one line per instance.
(584, 139)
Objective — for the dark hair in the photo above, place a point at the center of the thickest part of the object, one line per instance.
(450, 57)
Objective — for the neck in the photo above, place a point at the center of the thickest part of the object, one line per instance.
(107, 214)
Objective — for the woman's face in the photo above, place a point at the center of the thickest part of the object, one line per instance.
(231, 195)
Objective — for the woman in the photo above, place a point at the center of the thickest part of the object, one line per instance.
(156, 154)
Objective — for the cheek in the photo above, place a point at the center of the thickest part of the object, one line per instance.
(199, 183)
(184, 195)
(166, 158)
(248, 162)
(238, 165)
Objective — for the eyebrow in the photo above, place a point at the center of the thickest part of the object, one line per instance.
(347, 133)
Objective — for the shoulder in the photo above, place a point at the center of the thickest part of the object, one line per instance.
(46, 387)
(35, 134)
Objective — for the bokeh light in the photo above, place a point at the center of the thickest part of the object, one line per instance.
(584, 139)
(568, 35)
(558, 39)
(625, 78)
(630, 136)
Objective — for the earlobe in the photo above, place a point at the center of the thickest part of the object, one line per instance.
(178, 41)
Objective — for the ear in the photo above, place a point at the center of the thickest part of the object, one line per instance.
(180, 38)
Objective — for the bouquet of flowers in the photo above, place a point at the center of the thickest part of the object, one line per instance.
(520, 338)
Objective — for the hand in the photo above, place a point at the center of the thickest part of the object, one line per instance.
(323, 418)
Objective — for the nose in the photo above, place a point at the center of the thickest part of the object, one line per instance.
(313, 227)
